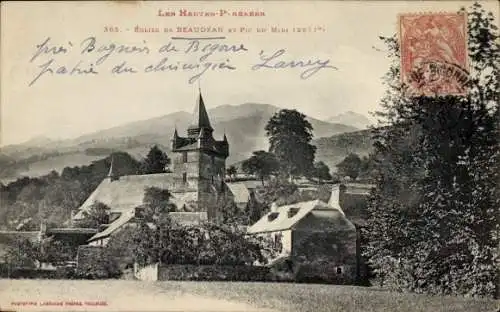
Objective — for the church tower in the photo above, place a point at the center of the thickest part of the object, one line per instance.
(199, 161)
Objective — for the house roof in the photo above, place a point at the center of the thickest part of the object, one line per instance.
(282, 221)
(188, 147)
(127, 192)
(185, 218)
(123, 219)
(240, 192)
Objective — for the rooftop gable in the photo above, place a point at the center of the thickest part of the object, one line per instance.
(128, 192)
(289, 216)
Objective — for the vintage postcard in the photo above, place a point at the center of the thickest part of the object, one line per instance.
(249, 156)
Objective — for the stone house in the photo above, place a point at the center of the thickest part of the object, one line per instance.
(310, 240)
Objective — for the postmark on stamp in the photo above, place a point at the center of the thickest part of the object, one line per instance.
(434, 60)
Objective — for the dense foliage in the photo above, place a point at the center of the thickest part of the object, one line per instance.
(262, 164)
(433, 217)
(321, 172)
(97, 215)
(290, 136)
(53, 197)
(156, 161)
(231, 171)
(156, 237)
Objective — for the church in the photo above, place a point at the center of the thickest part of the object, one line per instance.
(196, 180)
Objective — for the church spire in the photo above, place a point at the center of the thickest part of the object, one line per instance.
(175, 138)
(200, 118)
(112, 174)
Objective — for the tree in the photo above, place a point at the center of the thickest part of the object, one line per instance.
(262, 164)
(276, 190)
(368, 170)
(253, 210)
(97, 214)
(157, 203)
(290, 136)
(433, 216)
(54, 251)
(321, 171)
(350, 166)
(232, 171)
(228, 212)
(21, 253)
(155, 162)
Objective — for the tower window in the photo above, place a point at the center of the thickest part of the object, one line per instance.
(184, 177)
(184, 157)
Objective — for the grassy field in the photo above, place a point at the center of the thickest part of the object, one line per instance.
(122, 295)
(317, 298)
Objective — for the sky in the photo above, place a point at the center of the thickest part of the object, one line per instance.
(61, 106)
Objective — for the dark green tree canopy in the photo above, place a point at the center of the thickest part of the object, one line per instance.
(350, 166)
(156, 203)
(290, 136)
(155, 162)
(321, 171)
(433, 215)
(232, 171)
(97, 214)
(262, 164)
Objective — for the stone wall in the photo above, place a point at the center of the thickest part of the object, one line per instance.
(201, 273)
(212, 273)
(146, 273)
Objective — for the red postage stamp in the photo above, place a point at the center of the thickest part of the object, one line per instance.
(434, 58)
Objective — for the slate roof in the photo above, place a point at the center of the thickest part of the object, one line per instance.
(127, 192)
(185, 218)
(240, 192)
(283, 221)
(200, 116)
(123, 219)
(188, 147)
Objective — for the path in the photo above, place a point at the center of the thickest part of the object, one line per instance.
(108, 295)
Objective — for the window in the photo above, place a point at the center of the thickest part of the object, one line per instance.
(272, 216)
(184, 157)
(184, 177)
(292, 212)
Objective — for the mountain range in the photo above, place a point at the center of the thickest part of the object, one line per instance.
(352, 119)
(243, 124)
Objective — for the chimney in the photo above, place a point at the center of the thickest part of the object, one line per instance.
(43, 227)
(274, 207)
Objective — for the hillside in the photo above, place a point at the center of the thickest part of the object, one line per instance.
(352, 119)
(332, 150)
(243, 124)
